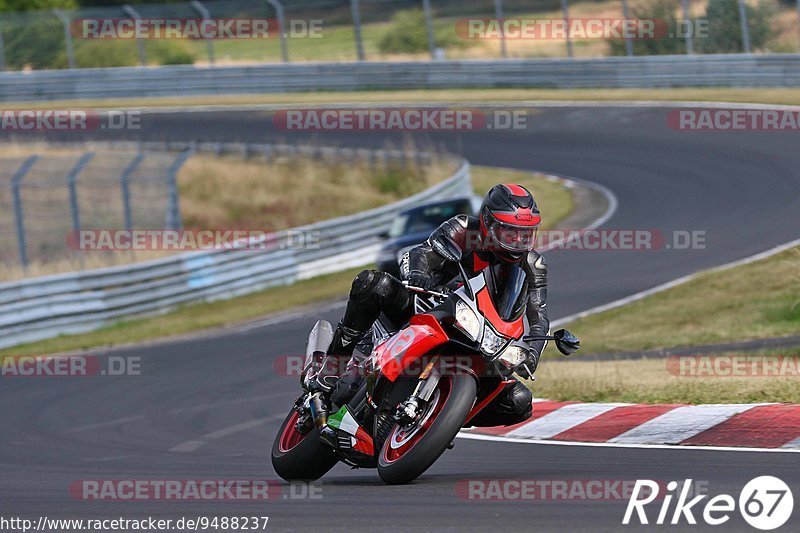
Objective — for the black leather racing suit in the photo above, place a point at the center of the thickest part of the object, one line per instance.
(374, 292)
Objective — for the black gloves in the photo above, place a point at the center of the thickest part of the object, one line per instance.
(423, 280)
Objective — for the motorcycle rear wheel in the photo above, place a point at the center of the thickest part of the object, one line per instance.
(409, 451)
(300, 456)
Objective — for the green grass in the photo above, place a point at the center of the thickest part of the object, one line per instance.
(717, 94)
(757, 300)
(753, 301)
(650, 381)
(197, 317)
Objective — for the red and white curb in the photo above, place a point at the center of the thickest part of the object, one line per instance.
(770, 426)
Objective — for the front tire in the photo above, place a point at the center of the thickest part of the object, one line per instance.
(409, 451)
(300, 456)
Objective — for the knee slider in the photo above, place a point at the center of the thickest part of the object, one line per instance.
(363, 284)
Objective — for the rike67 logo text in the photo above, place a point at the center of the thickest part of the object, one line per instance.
(765, 503)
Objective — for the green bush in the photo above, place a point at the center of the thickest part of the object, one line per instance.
(724, 27)
(408, 35)
(661, 10)
(33, 41)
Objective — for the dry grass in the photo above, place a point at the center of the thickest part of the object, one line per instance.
(233, 193)
(752, 301)
(203, 316)
(649, 381)
(285, 192)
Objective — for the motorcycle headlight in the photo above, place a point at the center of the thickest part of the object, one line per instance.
(491, 342)
(512, 356)
(467, 321)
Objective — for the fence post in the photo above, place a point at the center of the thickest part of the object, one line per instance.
(745, 27)
(67, 36)
(72, 183)
(498, 14)
(565, 11)
(354, 7)
(689, 33)
(628, 42)
(174, 210)
(426, 7)
(124, 179)
(132, 13)
(278, 7)
(201, 9)
(19, 218)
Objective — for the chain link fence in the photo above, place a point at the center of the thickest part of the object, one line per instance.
(346, 30)
(46, 198)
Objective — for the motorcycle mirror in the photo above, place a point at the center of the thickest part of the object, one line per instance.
(566, 342)
(447, 248)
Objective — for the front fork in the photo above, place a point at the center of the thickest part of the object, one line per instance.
(411, 409)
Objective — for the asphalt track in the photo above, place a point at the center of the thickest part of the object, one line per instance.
(209, 407)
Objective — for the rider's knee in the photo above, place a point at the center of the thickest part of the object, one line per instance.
(375, 285)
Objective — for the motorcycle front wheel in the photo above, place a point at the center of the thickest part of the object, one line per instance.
(408, 451)
(300, 456)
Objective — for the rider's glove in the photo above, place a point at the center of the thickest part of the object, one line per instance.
(423, 280)
(527, 368)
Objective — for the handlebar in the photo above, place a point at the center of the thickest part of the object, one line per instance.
(420, 290)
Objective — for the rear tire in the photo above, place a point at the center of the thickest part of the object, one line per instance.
(297, 456)
(407, 453)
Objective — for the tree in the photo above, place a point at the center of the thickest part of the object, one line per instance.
(724, 27)
(667, 41)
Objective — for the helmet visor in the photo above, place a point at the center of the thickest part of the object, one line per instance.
(513, 238)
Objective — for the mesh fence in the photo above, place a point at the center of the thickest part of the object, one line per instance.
(43, 199)
(331, 30)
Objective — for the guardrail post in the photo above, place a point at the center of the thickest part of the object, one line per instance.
(278, 7)
(688, 38)
(628, 42)
(72, 183)
(426, 7)
(174, 210)
(745, 27)
(498, 14)
(124, 180)
(19, 219)
(203, 11)
(67, 36)
(565, 11)
(354, 8)
(132, 13)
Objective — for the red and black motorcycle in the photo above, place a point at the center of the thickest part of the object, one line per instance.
(423, 383)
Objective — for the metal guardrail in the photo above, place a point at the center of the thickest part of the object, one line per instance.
(739, 70)
(78, 302)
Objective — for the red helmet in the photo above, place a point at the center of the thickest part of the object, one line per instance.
(509, 221)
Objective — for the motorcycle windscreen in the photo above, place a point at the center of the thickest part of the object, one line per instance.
(508, 286)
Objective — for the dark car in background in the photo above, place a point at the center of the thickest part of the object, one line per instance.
(412, 226)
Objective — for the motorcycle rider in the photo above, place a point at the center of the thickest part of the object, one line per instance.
(503, 233)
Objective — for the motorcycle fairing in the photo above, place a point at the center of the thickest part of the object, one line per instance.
(361, 440)
(513, 329)
(423, 334)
